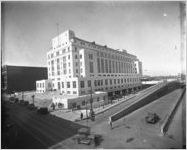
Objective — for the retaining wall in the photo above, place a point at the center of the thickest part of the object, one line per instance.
(150, 98)
(166, 123)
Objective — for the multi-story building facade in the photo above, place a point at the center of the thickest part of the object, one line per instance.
(78, 67)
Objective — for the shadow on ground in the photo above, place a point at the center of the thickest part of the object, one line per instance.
(26, 129)
(170, 87)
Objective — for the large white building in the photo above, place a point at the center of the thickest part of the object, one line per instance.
(77, 67)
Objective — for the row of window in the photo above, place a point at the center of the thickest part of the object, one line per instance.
(84, 102)
(104, 54)
(70, 92)
(40, 85)
(108, 66)
(97, 82)
(68, 84)
(57, 53)
(108, 82)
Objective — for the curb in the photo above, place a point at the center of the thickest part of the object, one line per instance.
(165, 126)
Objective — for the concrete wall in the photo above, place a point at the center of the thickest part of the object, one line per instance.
(154, 96)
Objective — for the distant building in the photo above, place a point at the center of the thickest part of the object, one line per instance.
(21, 78)
(43, 86)
(78, 67)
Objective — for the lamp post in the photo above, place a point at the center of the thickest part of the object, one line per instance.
(91, 101)
(92, 115)
(33, 98)
(86, 114)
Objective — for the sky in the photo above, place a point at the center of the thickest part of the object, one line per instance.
(149, 30)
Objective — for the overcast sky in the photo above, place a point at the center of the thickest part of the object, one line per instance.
(150, 30)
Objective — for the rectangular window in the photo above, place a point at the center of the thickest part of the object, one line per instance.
(121, 80)
(98, 82)
(77, 71)
(119, 64)
(116, 67)
(118, 81)
(82, 84)
(113, 66)
(52, 65)
(91, 67)
(68, 84)
(90, 56)
(98, 65)
(110, 81)
(74, 84)
(106, 82)
(95, 82)
(76, 57)
(114, 81)
(68, 56)
(65, 71)
(101, 82)
(59, 85)
(110, 70)
(89, 83)
(76, 64)
(102, 66)
(80, 56)
(57, 53)
(106, 65)
(62, 84)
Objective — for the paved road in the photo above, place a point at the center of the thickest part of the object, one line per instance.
(142, 134)
(102, 117)
(47, 130)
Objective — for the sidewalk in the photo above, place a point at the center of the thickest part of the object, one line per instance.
(75, 115)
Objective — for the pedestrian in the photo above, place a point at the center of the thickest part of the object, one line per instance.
(81, 115)
(96, 142)
(110, 122)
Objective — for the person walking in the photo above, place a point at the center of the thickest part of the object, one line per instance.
(81, 115)
(110, 122)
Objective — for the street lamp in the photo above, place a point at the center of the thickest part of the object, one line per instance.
(86, 114)
(92, 115)
(33, 98)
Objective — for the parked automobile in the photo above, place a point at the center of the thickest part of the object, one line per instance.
(43, 110)
(152, 118)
